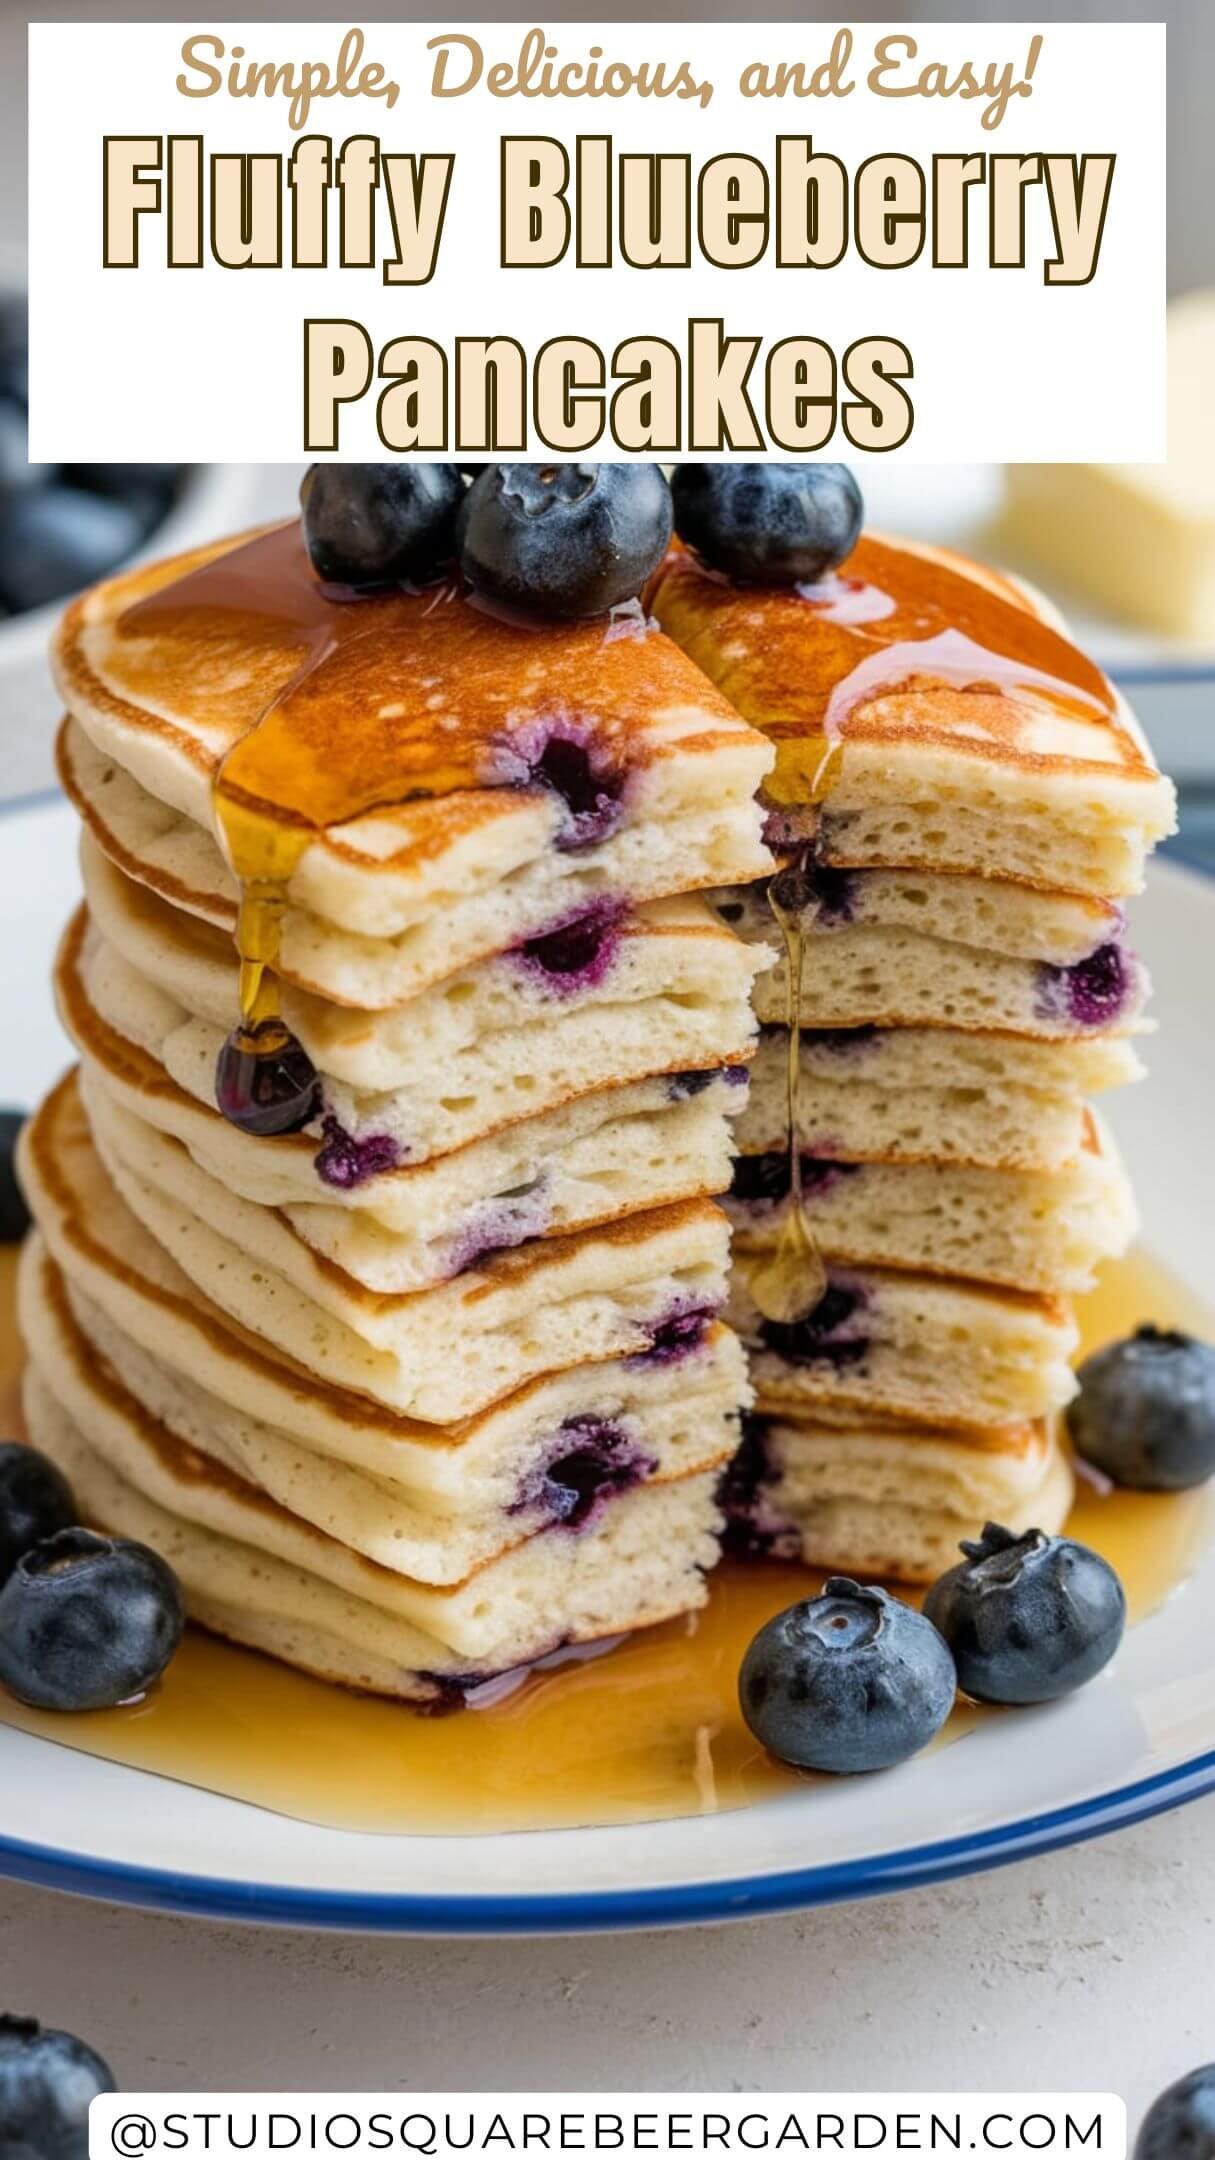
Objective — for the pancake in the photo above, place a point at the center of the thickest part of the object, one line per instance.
(869, 976)
(852, 1119)
(326, 969)
(502, 773)
(619, 1167)
(539, 1476)
(640, 1287)
(113, 1267)
(433, 1383)
(936, 1056)
(669, 950)
(930, 1349)
(259, 1576)
(966, 733)
(612, 1154)
(593, 1156)
(442, 1105)
(1046, 1232)
(1059, 928)
(878, 1498)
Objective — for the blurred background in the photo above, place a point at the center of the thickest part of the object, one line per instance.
(1129, 553)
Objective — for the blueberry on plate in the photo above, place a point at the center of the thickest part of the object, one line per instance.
(35, 1502)
(87, 1622)
(852, 1680)
(565, 541)
(1145, 1414)
(1180, 2125)
(1028, 1617)
(14, 1214)
(768, 524)
(47, 2080)
(370, 526)
(54, 540)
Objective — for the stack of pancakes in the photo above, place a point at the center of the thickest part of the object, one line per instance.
(418, 1392)
(968, 804)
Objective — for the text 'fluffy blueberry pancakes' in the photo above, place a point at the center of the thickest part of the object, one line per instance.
(378, 1274)
(961, 804)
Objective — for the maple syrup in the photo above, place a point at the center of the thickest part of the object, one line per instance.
(788, 1285)
(650, 1729)
(887, 619)
(373, 701)
(790, 1281)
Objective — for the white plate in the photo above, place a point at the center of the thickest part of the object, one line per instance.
(1141, 1738)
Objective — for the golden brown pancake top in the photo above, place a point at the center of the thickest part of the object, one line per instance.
(322, 708)
(901, 644)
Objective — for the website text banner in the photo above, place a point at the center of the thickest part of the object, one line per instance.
(717, 2126)
(638, 240)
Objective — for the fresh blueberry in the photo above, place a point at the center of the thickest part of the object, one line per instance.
(852, 1680)
(35, 1502)
(1180, 2125)
(768, 524)
(1145, 1414)
(14, 1214)
(265, 1081)
(87, 1622)
(1027, 1617)
(147, 491)
(565, 541)
(16, 472)
(54, 540)
(47, 2080)
(377, 525)
(14, 348)
(126, 481)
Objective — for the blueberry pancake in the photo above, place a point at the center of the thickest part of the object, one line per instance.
(965, 731)
(930, 1348)
(961, 804)
(1045, 1231)
(881, 1498)
(462, 784)
(378, 1273)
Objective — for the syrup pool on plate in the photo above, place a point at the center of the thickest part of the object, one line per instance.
(649, 1729)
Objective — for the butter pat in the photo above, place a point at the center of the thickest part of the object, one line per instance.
(1138, 540)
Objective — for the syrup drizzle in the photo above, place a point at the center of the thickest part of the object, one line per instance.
(948, 657)
(789, 1283)
(651, 1731)
(267, 588)
(887, 619)
(792, 1280)
(355, 703)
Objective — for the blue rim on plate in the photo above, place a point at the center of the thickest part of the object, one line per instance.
(677, 1905)
(671, 1905)
(1136, 674)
